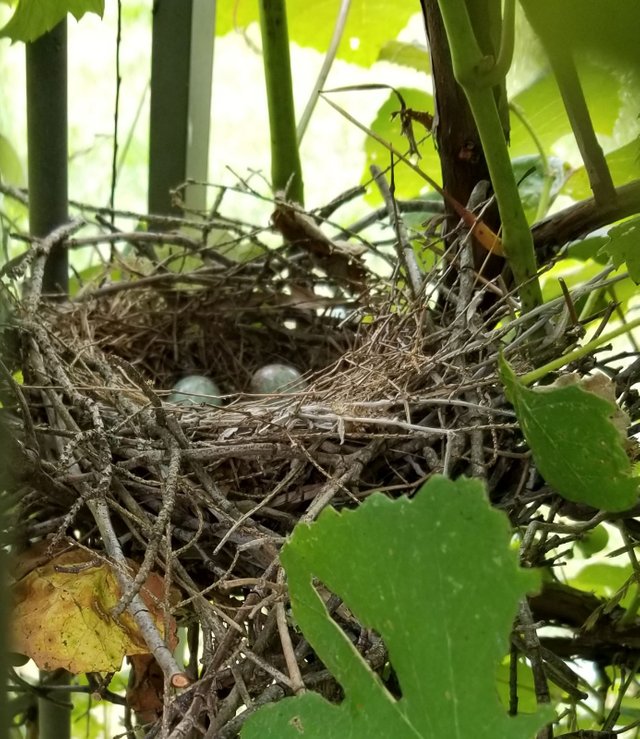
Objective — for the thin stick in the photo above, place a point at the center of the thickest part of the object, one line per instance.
(137, 608)
(297, 683)
(406, 255)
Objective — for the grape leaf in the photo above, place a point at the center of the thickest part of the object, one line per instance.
(370, 24)
(575, 442)
(435, 577)
(623, 247)
(589, 27)
(622, 163)
(32, 18)
(542, 106)
(406, 54)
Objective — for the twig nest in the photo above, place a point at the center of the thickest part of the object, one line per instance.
(277, 378)
(195, 389)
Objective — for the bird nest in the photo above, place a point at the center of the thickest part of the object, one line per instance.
(399, 386)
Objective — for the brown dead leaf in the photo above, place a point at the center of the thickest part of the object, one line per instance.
(146, 687)
(340, 260)
(62, 613)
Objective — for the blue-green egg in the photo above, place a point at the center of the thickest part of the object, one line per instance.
(277, 378)
(195, 390)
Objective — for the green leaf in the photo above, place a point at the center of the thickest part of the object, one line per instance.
(573, 271)
(605, 580)
(623, 163)
(11, 170)
(589, 27)
(593, 541)
(407, 182)
(32, 18)
(588, 248)
(529, 172)
(404, 54)
(542, 106)
(404, 568)
(576, 444)
(370, 24)
(623, 247)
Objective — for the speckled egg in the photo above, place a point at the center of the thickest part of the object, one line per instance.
(195, 390)
(277, 378)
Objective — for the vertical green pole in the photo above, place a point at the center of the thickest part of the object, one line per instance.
(47, 141)
(46, 62)
(286, 170)
(170, 55)
(181, 75)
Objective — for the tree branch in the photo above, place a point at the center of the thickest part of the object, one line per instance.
(577, 220)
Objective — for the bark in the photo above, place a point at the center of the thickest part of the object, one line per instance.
(461, 157)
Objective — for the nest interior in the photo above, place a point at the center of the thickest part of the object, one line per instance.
(397, 390)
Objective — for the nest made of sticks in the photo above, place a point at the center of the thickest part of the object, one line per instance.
(399, 387)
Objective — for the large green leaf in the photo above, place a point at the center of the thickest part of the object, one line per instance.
(435, 577)
(623, 163)
(406, 55)
(370, 24)
(575, 442)
(605, 580)
(408, 183)
(32, 18)
(600, 29)
(542, 106)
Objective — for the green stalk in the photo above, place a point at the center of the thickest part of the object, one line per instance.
(286, 171)
(581, 351)
(46, 65)
(476, 77)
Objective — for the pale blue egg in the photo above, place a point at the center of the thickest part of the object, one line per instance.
(195, 390)
(277, 378)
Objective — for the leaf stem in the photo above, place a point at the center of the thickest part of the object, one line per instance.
(507, 42)
(468, 62)
(286, 170)
(581, 351)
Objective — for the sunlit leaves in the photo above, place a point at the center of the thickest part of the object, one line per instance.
(592, 27)
(370, 24)
(402, 567)
(623, 163)
(406, 55)
(542, 106)
(32, 18)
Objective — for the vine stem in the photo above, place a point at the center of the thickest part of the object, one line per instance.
(286, 170)
(578, 353)
(476, 74)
